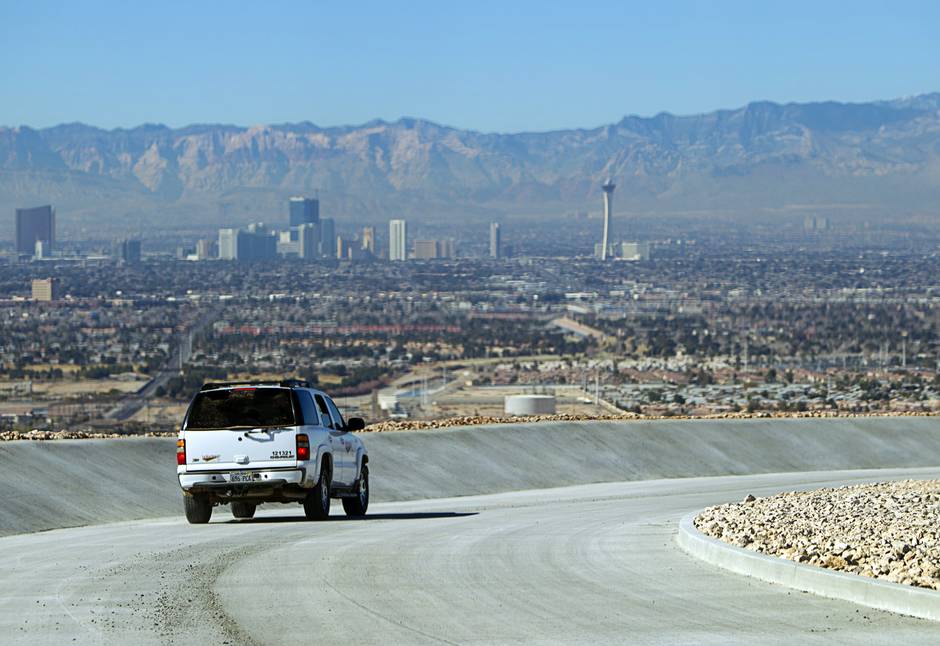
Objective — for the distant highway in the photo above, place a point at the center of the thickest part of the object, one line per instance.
(129, 405)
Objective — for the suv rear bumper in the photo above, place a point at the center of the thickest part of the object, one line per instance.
(221, 480)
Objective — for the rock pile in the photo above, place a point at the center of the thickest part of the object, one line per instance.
(889, 530)
(418, 425)
(476, 420)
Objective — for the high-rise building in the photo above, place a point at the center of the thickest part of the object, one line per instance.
(446, 248)
(288, 242)
(34, 225)
(608, 188)
(343, 247)
(228, 244)
(308, 241)
(425, 249)
(351, 249)
(129, 252)
(368, 239)
(303, 210)
(635, 250)
(397, 240)
(204, 249)
(815, 223)
(327, 238)
(42, 250)
(257, 243)
(496, 240)
(45, 289)
(434, 249)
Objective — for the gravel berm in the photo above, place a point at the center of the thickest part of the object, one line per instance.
(386, 426)
(888, 530)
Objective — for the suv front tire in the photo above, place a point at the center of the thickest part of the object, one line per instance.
(357, 505)
(317, 502)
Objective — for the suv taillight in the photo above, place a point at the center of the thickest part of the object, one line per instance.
(180, 451)
(303, 446)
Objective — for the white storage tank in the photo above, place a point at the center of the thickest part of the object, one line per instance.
(530, 405)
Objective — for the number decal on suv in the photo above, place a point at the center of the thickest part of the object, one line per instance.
(281, 455)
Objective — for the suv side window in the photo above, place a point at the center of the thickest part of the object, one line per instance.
(340, 422)
(308, 408)
(324, 412)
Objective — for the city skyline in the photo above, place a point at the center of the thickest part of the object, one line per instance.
(127, 183)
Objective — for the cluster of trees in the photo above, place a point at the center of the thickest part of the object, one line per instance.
(104, 371)
(34, 373)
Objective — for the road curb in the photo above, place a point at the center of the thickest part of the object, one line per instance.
(874, 593)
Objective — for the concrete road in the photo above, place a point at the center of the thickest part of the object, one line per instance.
(584, 564)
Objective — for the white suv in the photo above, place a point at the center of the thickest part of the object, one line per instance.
(247, 443)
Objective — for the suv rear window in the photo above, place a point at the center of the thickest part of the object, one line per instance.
(245, 407)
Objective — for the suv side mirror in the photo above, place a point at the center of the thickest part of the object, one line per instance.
(355, 424)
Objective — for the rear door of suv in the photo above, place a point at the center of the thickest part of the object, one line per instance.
(241, 428)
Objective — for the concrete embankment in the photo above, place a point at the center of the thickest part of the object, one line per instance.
(67, 483)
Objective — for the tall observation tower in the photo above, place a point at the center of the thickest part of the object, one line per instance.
(608, 187)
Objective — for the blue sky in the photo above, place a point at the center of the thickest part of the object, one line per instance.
(491, 66)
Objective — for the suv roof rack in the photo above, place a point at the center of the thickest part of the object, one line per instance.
(283, 383)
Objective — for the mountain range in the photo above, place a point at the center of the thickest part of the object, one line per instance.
(765, 160)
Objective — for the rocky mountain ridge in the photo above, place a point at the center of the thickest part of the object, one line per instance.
(764, 156)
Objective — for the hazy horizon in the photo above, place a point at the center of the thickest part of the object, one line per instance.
(453, 126)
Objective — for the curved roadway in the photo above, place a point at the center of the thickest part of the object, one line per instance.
(584, 564)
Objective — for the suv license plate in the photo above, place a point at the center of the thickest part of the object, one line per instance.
(241, 477)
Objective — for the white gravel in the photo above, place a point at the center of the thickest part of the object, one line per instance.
(888, 530)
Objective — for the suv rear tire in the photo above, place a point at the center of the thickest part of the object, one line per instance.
(317, 502)
(357, 505)
(198, 509)
(243, 509)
